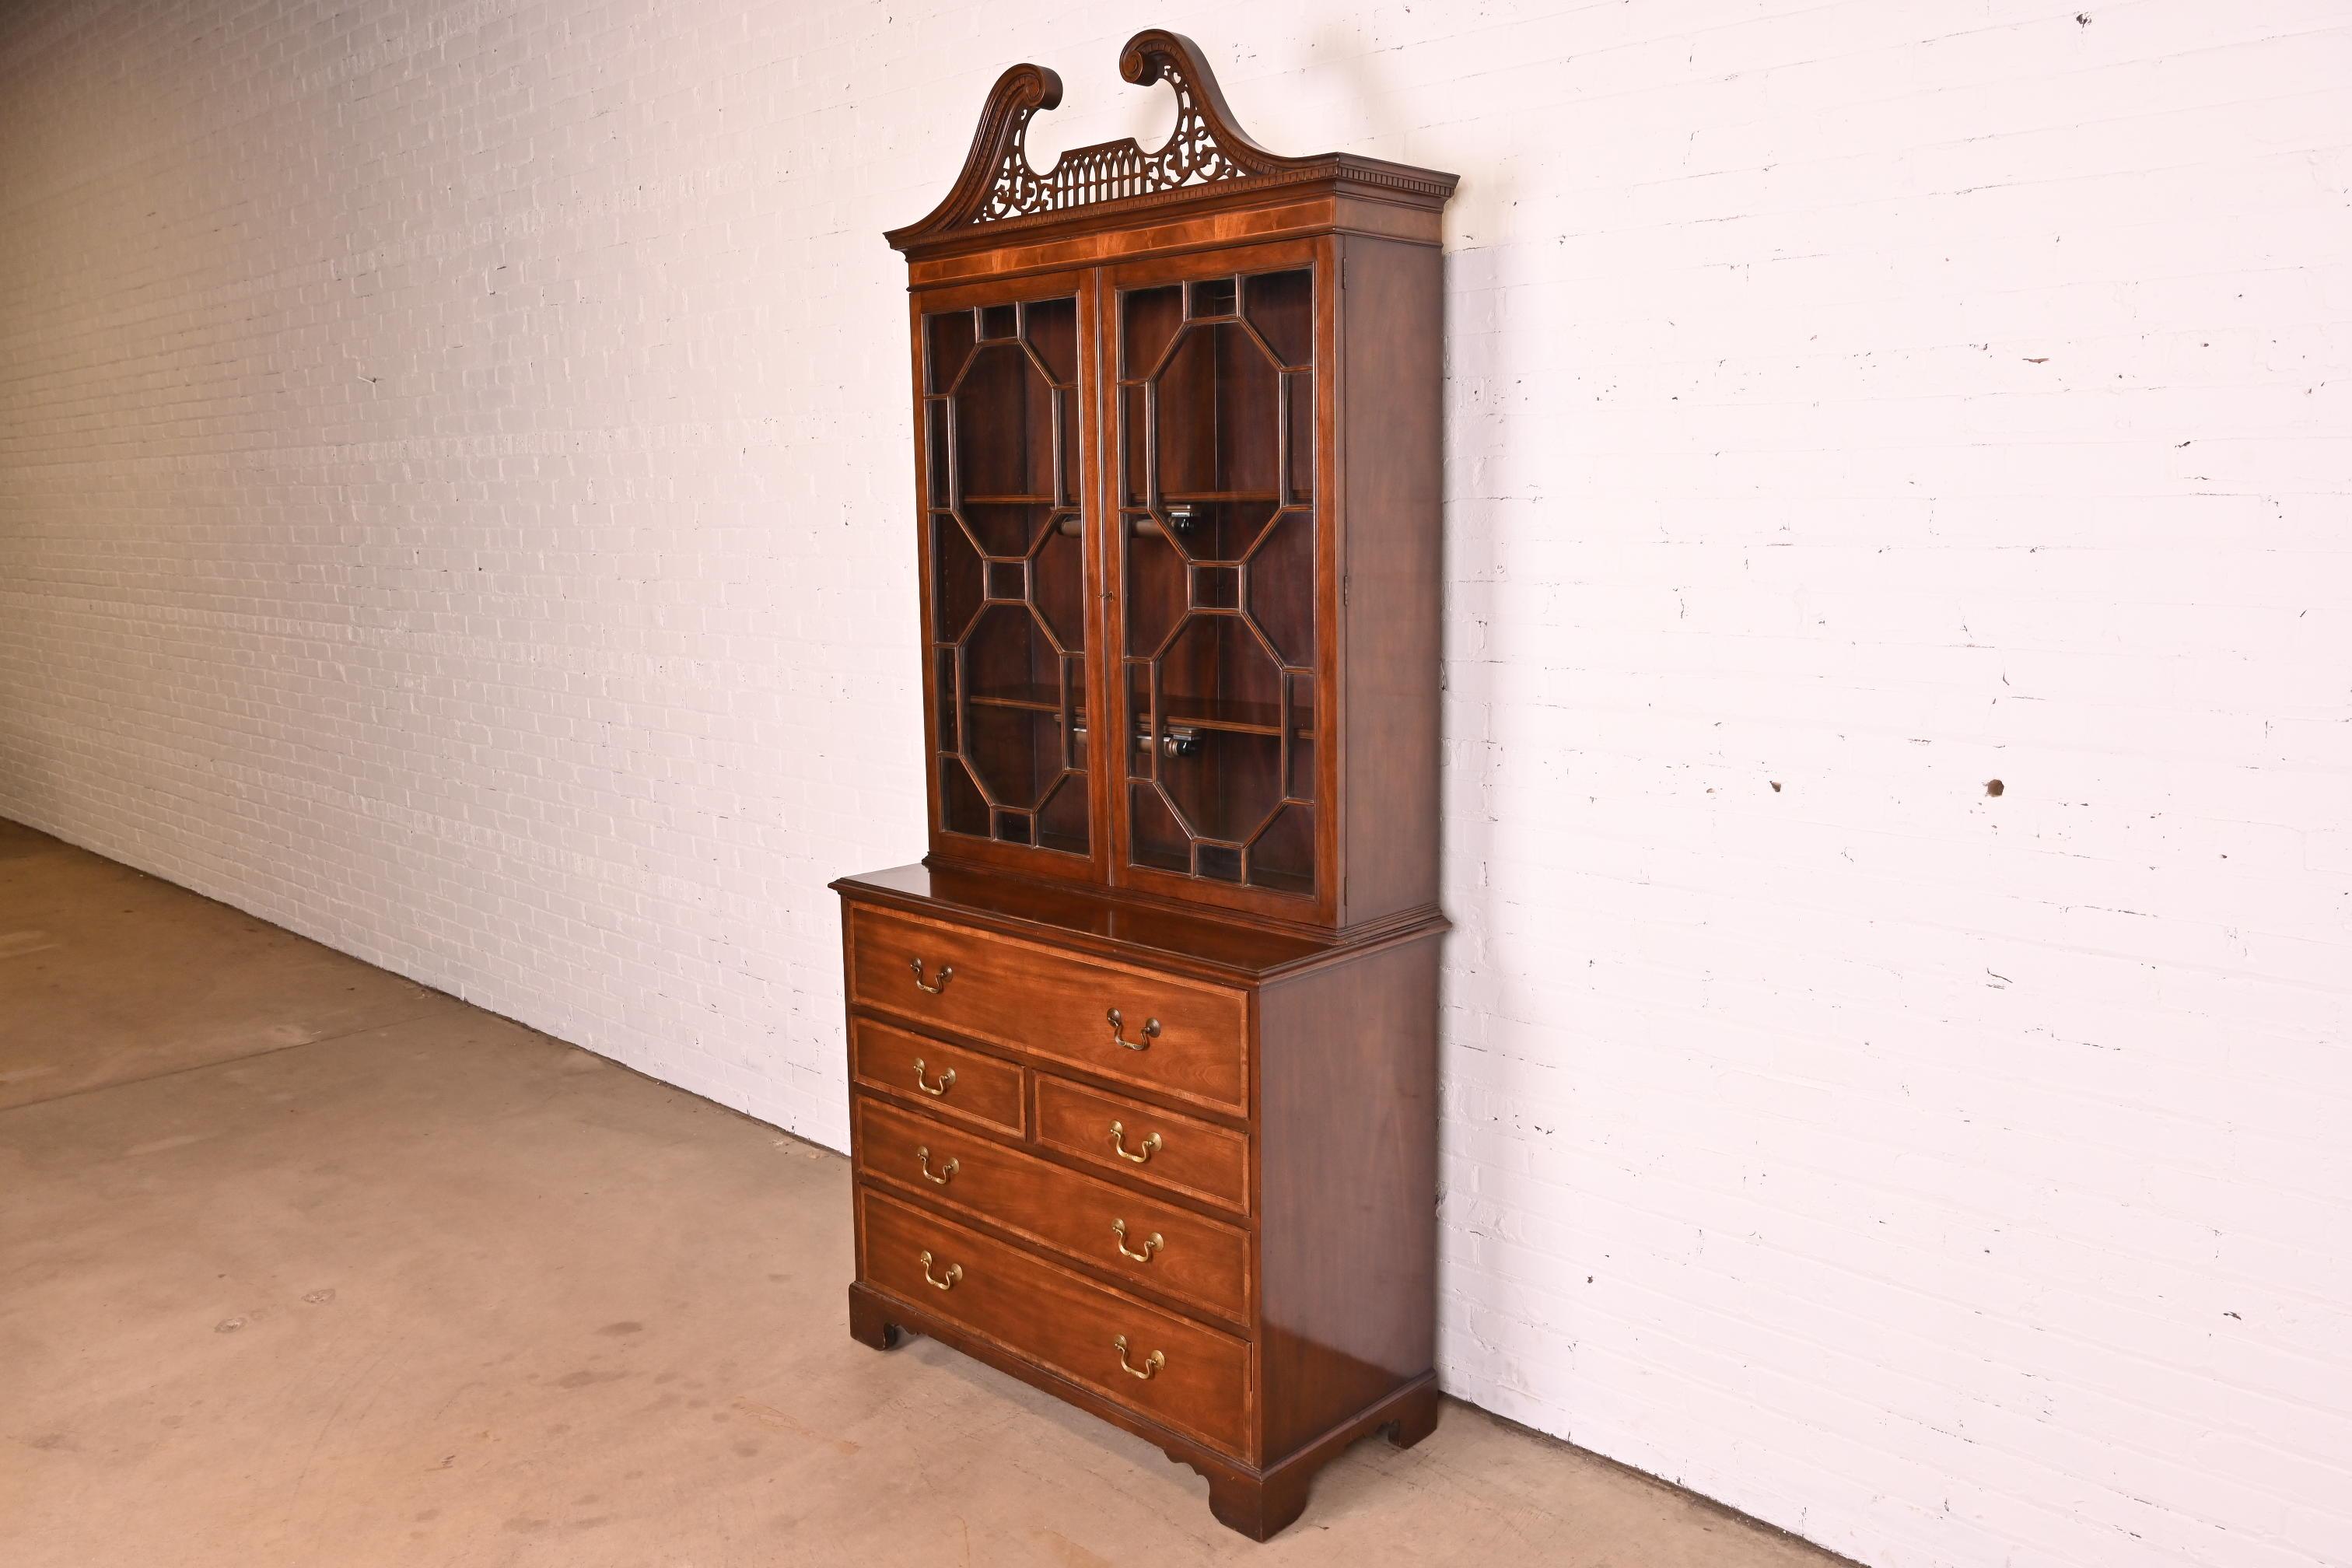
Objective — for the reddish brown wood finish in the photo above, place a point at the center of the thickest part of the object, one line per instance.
(1175, 1035)
(958, 1084)
(1179, 476)
(1162, 1148)
(1347, 1141)
(1139, 1243)
(1062, 1321)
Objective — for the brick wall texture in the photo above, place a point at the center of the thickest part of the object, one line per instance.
(456, 503)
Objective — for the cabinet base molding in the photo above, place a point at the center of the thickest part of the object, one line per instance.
(1257, 1502)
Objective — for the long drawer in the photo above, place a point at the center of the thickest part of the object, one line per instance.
(1182, 1037)
(1113, 1231)
(1179, 1372)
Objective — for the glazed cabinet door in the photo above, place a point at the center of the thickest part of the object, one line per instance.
(1220, 557)
(1006, 411)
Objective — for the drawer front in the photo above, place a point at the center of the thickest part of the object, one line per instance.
(956, 1081)
(1180, 1038)
(1108, 1229)
(1061, 1321)
(1151, 1144)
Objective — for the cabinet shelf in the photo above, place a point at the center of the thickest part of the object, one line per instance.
(1217, 714)
(1032, 697)
(1236, 717)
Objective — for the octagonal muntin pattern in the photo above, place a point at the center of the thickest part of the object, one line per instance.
(1212, 410)
(1008, 624)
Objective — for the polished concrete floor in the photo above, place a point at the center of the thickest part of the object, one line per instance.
(302, 1264)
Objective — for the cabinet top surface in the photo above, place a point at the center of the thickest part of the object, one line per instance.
(1207, 161)
(1109, 924)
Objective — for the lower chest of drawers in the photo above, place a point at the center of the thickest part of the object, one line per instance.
(1022, 1173)
(1202, 1211)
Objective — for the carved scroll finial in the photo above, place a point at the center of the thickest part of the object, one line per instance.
(997, 146)
(999, 182)
(1202, 118)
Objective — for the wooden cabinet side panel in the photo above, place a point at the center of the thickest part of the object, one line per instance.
(1389, 432)
(1348, 1185)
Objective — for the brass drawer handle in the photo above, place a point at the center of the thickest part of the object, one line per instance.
(1147, 1148)
(945, 1079)
(1151, 1243)
(923, 1158)
(1151, 1363)
(947, 973)
(955, 1272)
(1118, 1030)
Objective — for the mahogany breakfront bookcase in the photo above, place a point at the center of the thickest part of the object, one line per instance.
(1143, 1052)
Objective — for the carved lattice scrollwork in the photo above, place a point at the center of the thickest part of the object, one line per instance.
(1196, 152)
(1000, 186)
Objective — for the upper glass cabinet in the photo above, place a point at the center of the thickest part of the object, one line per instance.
(1006, 550)
(1180, 417)
(1216, 566)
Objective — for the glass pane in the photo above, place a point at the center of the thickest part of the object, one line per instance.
(962, 809)
(1008, 577)
(948, 340)
(1213, 297)
(1057, 582)
(1139, 701)
(1228, 787)
(1218, 425)
(1281, 574)
(1148, 319)
(1283, 855)
(1155, 585)
(1216, 530)
(1158, 840)
(956, 584)
(943, 691)
(1222, 861)
(1218, 559)
(1004, 411)
(1061, 823)
(1281, 306)
(1298, 437)
(1301, 777)
(1013, 697)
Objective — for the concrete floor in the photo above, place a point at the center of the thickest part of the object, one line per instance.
(303, 1263)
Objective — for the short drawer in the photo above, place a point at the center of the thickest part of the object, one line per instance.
(1108, 1229)
(1155, 1145)
(956, 1081)
(1182, 1037)
(1176, 1371)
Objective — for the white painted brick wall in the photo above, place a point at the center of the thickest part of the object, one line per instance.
(454, 502)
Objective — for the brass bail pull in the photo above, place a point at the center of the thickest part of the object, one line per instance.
(1119, 1031)
(1151, 1363)
(1152, 1243)
(942, 1281)
(1143, 1151)
(945, 1079)
(947, 973)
